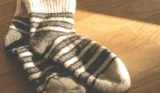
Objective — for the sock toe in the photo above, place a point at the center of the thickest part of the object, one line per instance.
(116, 78)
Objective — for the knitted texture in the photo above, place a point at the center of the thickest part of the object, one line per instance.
(18, 33)
(53, 36)
(44, 76)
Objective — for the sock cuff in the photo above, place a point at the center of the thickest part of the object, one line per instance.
(21, 10)
(50, 6)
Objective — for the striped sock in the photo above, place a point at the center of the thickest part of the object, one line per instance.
(18, 33)
(45, 76)
(53, 36)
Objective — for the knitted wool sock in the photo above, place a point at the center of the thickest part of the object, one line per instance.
(18, 33)
(52, 35)
(45, 76)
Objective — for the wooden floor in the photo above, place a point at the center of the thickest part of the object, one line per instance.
(130, 28)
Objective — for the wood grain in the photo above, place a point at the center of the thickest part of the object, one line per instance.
(130, 28)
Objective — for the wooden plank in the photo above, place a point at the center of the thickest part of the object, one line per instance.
(9, 78)
(6, 64)
(87, 8)
(147, 83)
(20, 86)
(6, 11)
(3, 2)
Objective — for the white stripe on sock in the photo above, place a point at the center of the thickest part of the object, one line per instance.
(90, 80)
(38, 20)
(71, 61)
(68, 48)
(34, 76)
(24, 54)
(28, 65)
(100, 69)
(57, 41)
(74, 59)
(95, 56)
(39, 74)
(33, 30)
(52, 28)
(19, 30)
(79, 71)
(32, 64)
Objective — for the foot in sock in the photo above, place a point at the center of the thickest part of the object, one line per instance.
(45, 76)
(53, 36)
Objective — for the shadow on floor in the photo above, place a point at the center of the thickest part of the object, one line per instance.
(143, 10)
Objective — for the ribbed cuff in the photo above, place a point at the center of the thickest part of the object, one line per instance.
(50, 6)
(21, 10)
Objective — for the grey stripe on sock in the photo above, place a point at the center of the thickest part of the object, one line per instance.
(39, 20)
(63, 44)
(68, 48)
(40, 67)
(74, 52)
(53, 26)
(94, 81)
(101, 69)
(37, 74)
(84, 77)
(21, 50)
(56, 42)
(62, 24)
(78, 57)
(49, 15)
(85, 59)
(32, 70)
(98, 61)
(45, 71)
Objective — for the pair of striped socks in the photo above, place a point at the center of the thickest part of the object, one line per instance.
(49, 48)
